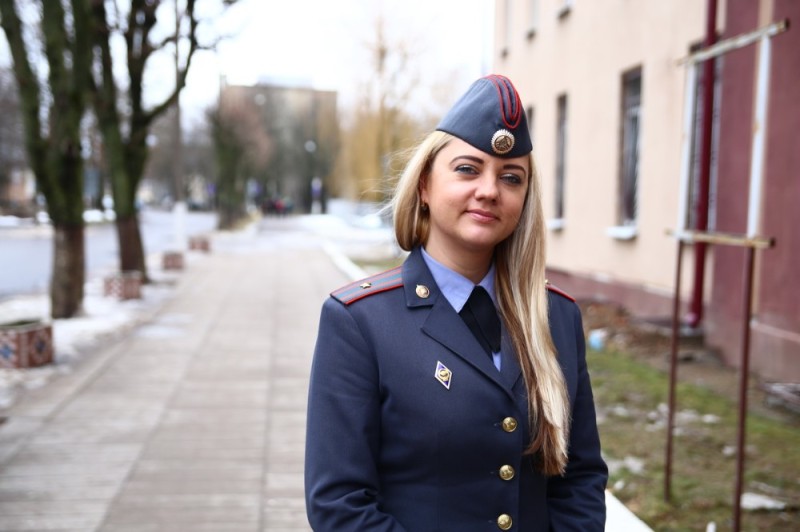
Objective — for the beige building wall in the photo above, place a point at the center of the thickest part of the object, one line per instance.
(582, 48)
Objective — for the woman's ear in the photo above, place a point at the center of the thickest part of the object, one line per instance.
(422, 189)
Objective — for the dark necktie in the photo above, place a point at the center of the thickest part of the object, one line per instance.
(481, 317)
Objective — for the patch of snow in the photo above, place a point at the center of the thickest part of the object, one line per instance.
(756, 501)
(159, 331)
(622, 518)
(686, 417)
(631, 463)
(13, 221)
(620, 411)
(729, 450)
(103, 317)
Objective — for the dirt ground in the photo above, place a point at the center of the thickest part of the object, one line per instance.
(697, 364)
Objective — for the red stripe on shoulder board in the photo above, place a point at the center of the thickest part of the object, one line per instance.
(356, 285)
(560, 292)
(371, 285)
(372, 292)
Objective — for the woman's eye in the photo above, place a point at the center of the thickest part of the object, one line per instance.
(512, 179)
(466, 169)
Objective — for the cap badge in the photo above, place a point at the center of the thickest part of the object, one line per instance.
(502, 141)
(422, 291)
(443, 375)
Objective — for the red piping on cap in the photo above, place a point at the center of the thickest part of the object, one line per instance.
(511, 110)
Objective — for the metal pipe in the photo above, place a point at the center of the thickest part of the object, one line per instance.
(673, 374)
(695, 315)
(759, 126)
(753, 216)
(744, 372)
(734, 43)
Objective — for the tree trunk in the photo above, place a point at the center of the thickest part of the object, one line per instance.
(231, 197)
(69, 271)
(131, 250)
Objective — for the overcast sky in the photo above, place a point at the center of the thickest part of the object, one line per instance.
(323, 43)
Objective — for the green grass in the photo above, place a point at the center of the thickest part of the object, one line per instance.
(628, 392)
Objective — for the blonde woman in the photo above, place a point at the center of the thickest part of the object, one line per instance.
(451, 393)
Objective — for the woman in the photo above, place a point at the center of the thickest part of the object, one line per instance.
(427, 413)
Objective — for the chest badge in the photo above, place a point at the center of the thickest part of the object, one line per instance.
(443, 375)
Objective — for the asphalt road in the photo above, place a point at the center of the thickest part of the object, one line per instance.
(26, 252)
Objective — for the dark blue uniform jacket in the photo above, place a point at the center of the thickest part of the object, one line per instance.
(390, 447)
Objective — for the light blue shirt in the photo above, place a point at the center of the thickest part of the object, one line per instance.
(456, 288)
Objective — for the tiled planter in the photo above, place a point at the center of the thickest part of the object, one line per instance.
(200, 243)
(26, 344)
(173, 260)
(125, 285)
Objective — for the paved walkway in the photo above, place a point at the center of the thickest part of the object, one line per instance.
(193, 422)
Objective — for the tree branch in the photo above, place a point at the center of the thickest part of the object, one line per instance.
(29, 89)
(180, 81)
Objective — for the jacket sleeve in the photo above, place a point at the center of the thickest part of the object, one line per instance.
(576, 501)
(343, 429)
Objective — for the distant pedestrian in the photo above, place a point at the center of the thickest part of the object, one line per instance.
(428, 410)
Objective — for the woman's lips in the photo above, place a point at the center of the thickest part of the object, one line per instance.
(481, 215)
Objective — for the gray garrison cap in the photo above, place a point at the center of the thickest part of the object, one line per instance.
(489, 116)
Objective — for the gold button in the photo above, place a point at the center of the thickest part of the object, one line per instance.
(509, 424)
(422, 291)
(504, 522)
(506, 472)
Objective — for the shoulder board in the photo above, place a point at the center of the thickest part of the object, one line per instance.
(559, 291)
(381, 282)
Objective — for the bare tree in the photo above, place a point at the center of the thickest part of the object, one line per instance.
(54, 100)
(381, 124)
(12, 135)
(124, 120)
(242, 146)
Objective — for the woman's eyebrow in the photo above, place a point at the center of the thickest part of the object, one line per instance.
(512, 166)
(469, 157)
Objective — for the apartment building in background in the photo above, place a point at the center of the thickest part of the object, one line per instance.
(603, 86)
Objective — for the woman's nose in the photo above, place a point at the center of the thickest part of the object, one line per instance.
(486, 187)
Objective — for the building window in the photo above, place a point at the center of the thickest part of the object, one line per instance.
(629, 146)
(533, 18)
(561, 155)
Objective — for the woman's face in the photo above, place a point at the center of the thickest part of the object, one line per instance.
(475, 201)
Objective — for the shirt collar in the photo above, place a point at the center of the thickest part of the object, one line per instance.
(455, 287)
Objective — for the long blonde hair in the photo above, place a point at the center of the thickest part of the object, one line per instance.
(522, 297)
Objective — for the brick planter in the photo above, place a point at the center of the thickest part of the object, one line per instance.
(200, 243)
(173, 260)
(125, 285)
(26, 344)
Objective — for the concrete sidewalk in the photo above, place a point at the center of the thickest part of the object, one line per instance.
(196, 420)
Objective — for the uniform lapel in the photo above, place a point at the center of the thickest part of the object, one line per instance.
(445, 326)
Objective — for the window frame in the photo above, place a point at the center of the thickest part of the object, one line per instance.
(562, 135)
(629, 151)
